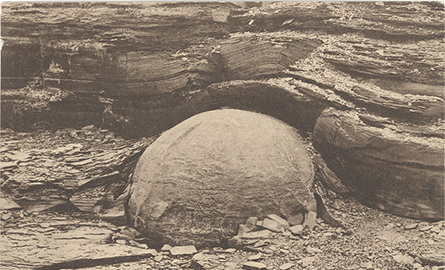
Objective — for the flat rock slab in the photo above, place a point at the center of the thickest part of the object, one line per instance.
(72, 245)
(183, 250)
(254, 265)
(256, 234)
(201, 179)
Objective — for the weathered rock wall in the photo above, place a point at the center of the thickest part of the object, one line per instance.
(130, 59)
(103, 51)
(141, 68)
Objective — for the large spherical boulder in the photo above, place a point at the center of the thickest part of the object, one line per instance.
(201, 179)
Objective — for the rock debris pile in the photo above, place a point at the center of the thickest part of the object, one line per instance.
(67, 169)
(32, 239)
(60, 241)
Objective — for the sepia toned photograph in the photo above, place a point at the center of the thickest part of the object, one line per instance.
(222, 135)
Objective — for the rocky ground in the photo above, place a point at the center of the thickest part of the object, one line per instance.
(138, 69)
(55, 234)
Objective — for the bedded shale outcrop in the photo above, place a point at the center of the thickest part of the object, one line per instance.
(366, 79)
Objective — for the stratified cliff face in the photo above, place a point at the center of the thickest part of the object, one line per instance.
(366, 78)
(107, 58)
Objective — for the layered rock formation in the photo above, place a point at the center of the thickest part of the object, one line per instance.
(140, 69)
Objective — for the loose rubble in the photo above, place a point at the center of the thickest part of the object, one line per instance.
(65, 173)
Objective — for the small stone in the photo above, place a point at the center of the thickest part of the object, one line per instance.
(251, 221)
(166, 247)
(426, 228)
(220, 15)
(139, 245)
(435, 229)
(197, 265)
(183, 250)
(158, 258)
(403, 259)
(88, 127)
(417, 266)
(255, 257)
(44, 225)
(260, 243)
(199, 256)
(254, 265)
(272, 225)
(297, 229)
(305, 262)
(121, 241)
(6, 216)
(230, 250)
(286, 233)
(286, 266)
(411, 226)
(287, 22)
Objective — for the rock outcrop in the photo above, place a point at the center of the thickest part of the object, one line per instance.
(394, 171)
(139, 69)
